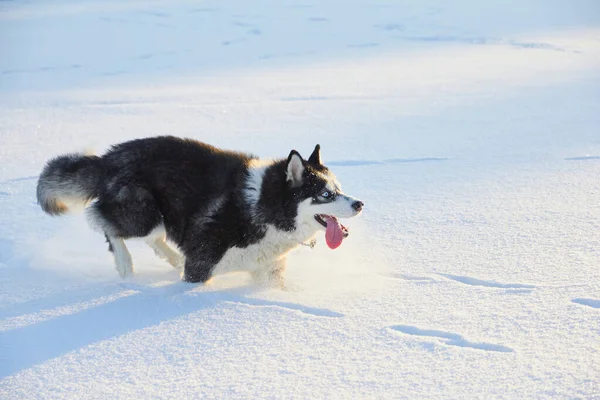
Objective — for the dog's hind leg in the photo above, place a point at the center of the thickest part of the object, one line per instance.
(126, 211)
(123, 260)
(157, 240)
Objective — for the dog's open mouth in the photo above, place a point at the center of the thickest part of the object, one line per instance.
(335, 232)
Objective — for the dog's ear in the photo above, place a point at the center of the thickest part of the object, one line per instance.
(315, 157)
(294, 168)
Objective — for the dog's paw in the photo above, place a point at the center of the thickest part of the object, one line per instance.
(125, 269)
(178, 263)
(124, 265)
(290, 287)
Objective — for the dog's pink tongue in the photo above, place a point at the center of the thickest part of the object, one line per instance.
(334, 234)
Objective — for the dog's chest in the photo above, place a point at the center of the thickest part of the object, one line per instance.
(262, 254)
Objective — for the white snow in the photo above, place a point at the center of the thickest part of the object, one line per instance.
(469, 129)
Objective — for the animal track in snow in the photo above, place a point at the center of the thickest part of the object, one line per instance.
(413, 160)
(204, 10)
(491, 284)
(242, 24)
(475, 40)
(174, 289)
(318, 19)
(391, 27)
(582, 158)
(40, 69)
(415, 278)
(232, 41)
(363, 45)
(356, 163)
(587, 302)
(353, 163)
(306, 98)
(317, 312)
(451, 339)
(412, 278)
(156, 14)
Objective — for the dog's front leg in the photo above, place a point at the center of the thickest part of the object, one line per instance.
(271, 275)
(197, 269)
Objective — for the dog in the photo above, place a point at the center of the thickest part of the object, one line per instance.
(226, 211)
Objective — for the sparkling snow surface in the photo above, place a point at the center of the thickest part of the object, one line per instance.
(470, 129)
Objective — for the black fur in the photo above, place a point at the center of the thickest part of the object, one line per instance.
(110, 247)
(197, 191)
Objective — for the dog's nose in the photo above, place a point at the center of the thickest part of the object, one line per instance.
(358, 205)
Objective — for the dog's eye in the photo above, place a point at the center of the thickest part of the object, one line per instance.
(326, 194)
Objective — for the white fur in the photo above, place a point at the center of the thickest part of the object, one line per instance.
(271, 275)
(61, 195)
(122, 257)
(341, 207)
(266, 256)
(256, 172)
(157, 240)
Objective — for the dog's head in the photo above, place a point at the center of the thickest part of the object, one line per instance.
(321, 201)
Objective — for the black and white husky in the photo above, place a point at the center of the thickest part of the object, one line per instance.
(226, 211)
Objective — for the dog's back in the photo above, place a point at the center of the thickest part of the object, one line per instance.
(184, 177)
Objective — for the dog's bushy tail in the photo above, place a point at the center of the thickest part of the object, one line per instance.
(72, 179)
